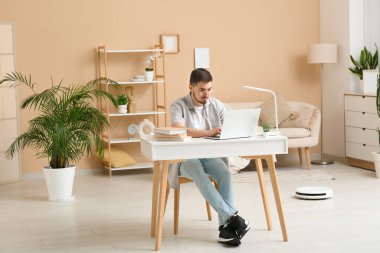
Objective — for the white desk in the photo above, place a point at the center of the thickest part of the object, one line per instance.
(165, 151)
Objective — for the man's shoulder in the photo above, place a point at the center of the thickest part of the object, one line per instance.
(216, 102)
(179, 101)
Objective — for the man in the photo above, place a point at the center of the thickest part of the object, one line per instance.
(203, 115)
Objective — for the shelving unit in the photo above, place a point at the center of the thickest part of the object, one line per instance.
(149, 97)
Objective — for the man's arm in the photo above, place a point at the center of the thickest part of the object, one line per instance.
(198, 133)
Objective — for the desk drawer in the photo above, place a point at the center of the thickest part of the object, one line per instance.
(362, 120)
(359, 151)
(358, 135)
(360, 103)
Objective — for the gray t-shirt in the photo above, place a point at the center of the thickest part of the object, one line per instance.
(184, 111)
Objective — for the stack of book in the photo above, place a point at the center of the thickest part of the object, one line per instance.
(171, 134)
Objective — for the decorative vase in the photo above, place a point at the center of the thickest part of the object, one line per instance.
(376, 160)
(60, 183)
(149, 76)
(123, 108)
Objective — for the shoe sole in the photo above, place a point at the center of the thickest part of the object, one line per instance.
(232, 242)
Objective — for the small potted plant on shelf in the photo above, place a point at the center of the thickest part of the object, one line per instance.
(376, 154)
(122, 102)
(266, 128)
(149, 71)
(67, 127)
(367, 61)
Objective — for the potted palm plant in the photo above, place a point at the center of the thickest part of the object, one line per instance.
(68, 127)
(376, 154)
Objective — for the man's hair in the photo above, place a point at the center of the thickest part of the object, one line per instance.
(200, 75)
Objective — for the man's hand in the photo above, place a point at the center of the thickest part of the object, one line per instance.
(199, 133)
(213, 132)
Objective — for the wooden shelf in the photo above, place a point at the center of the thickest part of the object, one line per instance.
(156, 111)
(134, 114)
(143, 165)
(121, 140)
(139, 83)
(112, 51)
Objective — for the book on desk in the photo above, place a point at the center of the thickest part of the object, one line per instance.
(171, 137)
(170, 130)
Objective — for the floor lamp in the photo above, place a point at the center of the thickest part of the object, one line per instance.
(321, 54)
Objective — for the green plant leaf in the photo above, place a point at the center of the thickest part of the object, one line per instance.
(68, 126)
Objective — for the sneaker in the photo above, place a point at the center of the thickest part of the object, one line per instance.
(240, 225)
(228, 235)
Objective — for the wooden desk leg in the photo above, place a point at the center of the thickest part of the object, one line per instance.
(263, 188)
(156, 173)
(273, 178)
(161, 203)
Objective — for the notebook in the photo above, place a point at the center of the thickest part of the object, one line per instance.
(239, 124)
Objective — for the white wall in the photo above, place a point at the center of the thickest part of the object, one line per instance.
(371, 18)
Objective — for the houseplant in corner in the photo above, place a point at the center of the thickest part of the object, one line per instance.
(366, 61)
(122, 102)
(68, 127)
(376, 154)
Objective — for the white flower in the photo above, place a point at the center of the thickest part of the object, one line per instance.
(149, 61)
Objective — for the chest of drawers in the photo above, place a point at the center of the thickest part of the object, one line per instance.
(361, 123)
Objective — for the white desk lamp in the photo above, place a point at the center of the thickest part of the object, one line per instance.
(272, 133)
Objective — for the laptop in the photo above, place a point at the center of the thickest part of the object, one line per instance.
(240, 123)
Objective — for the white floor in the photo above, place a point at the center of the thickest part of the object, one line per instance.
(113, 215)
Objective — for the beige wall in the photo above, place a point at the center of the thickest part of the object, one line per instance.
(335, 28)
(252, 42)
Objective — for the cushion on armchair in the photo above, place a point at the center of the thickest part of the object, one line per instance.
(267, 114)
(299, 119)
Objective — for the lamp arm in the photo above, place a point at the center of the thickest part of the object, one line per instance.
(275, 100)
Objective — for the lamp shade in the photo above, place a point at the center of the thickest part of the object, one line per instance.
(322, 53)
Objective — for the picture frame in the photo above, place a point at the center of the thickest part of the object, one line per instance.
(170, 43)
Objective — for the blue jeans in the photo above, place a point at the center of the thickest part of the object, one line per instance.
(199, 171)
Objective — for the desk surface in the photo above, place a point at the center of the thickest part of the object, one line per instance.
(207, 148)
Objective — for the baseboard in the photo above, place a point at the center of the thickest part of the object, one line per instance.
(78, 173)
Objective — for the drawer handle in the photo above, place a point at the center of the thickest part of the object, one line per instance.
(363, 129)
(364, 145)
(363, 112)
(363, 96)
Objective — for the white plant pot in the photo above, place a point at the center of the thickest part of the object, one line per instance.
(60, 183)
(123, 108)
(149, 75)
(370, 81)
(376, 160)
(265, 134)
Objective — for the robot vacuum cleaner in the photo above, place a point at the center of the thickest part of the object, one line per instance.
(314, 192)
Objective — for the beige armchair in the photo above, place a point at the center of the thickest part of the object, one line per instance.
(299, 137)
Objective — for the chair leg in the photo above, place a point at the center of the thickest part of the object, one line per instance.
(166, 196)
(300, 155)
(209, 215)
(307, 151)
(176, 209)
